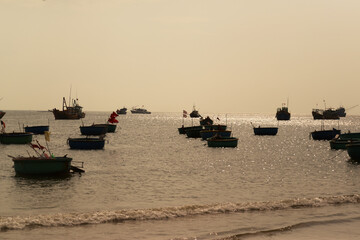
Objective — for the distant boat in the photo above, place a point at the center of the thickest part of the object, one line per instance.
(69, 112)
(86, 143)
(121, 111)
(195, 113)
(218, 141)
(271, 131)
(2, 113)
(328, 113)
(325, 134)
(16, 138)
(36, 129)
(139, 111)
(283, 113)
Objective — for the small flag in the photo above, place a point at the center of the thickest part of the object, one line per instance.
(112, 120)
(47, 136)
(2, 124)
(114, 115)
(184, 113)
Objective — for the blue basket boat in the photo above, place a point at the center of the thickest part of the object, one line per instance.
(271, 131)
(94, 130)
(36, 129)
(16, 138)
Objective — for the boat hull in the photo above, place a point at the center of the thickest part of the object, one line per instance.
(93, 130)
(353, 150)
(2, 113)
(67, 115)
(283, 116)
(37, 129)
(261, 131)
(194, 132)
(110, 127)
(86, 143)
(325, 134)
(222, 142)
(16, 138)
(42, 166)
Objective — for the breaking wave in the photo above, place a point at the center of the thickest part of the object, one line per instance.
(76, 219)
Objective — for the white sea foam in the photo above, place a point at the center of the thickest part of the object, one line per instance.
(74, 219)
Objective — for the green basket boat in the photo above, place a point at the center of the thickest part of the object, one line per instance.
(16, 138)
(42, 166)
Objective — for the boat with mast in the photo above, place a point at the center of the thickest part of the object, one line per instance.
(283, 112)
(73, 111)
(195, 113)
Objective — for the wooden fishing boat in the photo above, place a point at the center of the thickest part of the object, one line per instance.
(16, 138)
(353, 150)
(93, 130)
(42, 165)
(325, 134)
(86, 143)
(283, 114)
(36, 129)
(206, 121)
(271, 131)
(218, 141)
(69, 112)
(205, 134)
(326, 114)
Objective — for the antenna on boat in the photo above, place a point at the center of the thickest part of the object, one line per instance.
(70, 96)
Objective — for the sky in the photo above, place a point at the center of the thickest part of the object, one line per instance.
(223, 56)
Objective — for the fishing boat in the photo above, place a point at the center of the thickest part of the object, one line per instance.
(69, 112)
(86, 143)
(205, 134)
(195, 113)
(94, 129)
(2, 113)
(283, 113)
(218, 141)
(121, 111)
(37, 129)
(216, 127)
(182, 129)
(325, 134)
(139, 111)
(353, 150)
(16, 138)
(328, 113)
(261, 131)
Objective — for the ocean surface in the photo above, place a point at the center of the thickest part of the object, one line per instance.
(150, 182)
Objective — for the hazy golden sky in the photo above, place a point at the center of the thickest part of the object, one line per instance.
(224, 56)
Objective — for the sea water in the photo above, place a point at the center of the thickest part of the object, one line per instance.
(150, 182)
